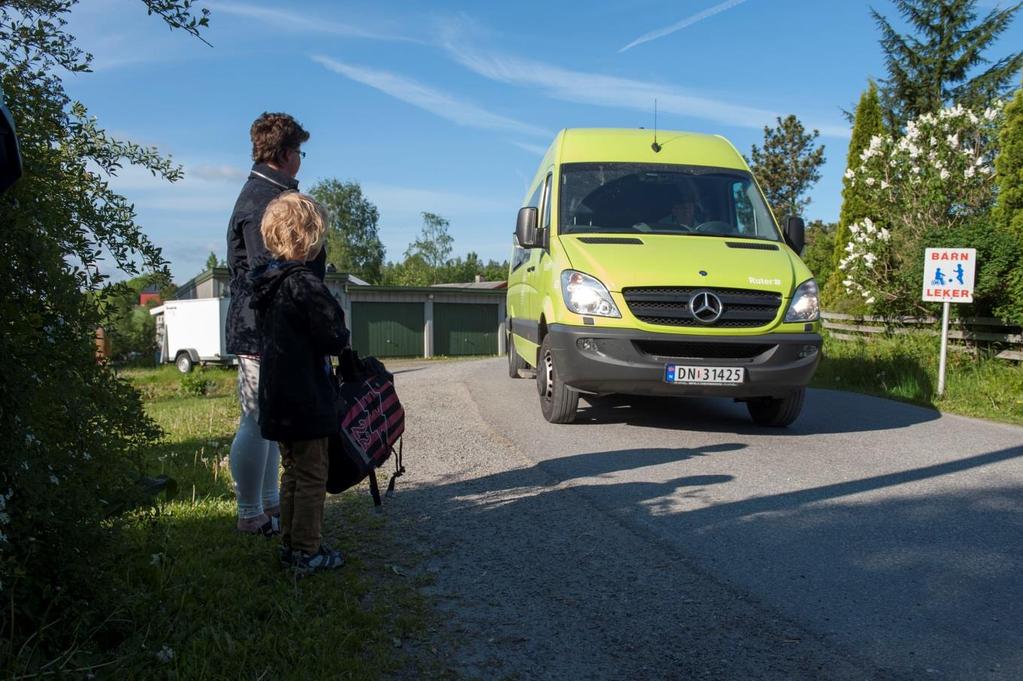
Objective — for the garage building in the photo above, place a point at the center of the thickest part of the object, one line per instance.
(400, 321)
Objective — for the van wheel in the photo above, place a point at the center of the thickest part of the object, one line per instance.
(776, 412)
(183, 362)
(558, 402)
(515, 363)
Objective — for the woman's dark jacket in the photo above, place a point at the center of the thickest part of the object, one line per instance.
(300, 324)
(246, 252)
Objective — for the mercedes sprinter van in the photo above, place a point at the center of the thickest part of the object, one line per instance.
(654, 267)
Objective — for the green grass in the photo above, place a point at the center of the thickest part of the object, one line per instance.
(204, 602)
(905, 367)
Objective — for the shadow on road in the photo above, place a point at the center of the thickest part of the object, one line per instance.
(605, 463)
(407, 371)
(903, 579)
(825, 411)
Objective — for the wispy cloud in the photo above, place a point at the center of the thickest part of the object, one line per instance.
(426, 98)
(205, 189)
(217, 172)
(394, 197)
(679, 25)
(531, 148)
(612, 91)
(119, 37)
(295, 21)
(187, 219)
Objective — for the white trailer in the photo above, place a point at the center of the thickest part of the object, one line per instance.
(190, 332)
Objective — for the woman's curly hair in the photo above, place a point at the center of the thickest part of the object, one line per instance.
(274, 133)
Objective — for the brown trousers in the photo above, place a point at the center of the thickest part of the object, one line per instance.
(303, 492)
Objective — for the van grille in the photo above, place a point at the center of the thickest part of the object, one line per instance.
(702, 350)
(669, 306)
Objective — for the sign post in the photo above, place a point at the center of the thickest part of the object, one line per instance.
(948, 278)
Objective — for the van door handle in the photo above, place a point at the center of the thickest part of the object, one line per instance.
(530, 268)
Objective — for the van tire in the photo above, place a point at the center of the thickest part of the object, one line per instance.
(516, 364)
(776, 412)
(183, 362)
(558, 402)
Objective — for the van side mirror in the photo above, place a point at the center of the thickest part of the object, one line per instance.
(525, 227)
(795, 233)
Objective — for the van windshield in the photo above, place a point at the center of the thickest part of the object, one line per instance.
(662, 199)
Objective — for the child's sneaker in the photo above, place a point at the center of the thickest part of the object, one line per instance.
(325, 558)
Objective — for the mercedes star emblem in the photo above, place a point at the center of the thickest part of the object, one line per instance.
(706, 307)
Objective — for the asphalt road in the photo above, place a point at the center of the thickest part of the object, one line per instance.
(671, 538)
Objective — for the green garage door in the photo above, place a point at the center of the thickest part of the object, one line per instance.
(464, 329)
(387, 329)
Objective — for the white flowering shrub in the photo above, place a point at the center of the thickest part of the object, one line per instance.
(867, 259)
(933, 184)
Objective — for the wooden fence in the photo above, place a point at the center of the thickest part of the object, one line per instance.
(967, 334)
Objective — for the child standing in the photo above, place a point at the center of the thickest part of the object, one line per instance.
(300, 325)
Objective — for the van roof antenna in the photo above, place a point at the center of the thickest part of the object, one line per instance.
(655, 146)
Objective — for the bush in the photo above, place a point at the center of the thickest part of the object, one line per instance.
(932, 186)
(74, 434)
(130, 326)
(1008, 212)
(820, 244)
(196, 383)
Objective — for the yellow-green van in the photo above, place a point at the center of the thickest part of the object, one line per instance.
(656, 268)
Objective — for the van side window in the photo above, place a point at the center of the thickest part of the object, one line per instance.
(534, 200)
(744, 216)
(545, 216)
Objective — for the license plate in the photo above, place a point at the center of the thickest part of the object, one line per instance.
(690, 375)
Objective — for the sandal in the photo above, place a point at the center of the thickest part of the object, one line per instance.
(270, 527)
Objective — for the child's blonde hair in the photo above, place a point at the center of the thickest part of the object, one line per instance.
(293, 227)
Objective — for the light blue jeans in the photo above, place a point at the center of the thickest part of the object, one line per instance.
(255, 462)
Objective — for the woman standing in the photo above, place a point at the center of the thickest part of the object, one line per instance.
(277, 140)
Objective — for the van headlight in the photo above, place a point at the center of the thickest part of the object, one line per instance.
(805, 305)
(585, 295)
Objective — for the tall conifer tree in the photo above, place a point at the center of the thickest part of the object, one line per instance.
(1008, 212)
(940, 61)
(856, 203)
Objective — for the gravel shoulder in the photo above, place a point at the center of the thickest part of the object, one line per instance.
(530, 580)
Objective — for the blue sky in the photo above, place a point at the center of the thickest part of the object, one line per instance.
(446, 107)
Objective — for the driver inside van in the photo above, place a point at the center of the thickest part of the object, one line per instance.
(685, 212)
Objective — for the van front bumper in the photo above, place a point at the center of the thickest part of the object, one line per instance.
(633, 362)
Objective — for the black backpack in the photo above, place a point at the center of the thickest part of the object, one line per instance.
(371, 422)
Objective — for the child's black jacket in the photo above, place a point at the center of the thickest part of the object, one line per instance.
(300, 324)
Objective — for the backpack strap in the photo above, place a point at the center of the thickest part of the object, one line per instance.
(374, 489)
(399, 467)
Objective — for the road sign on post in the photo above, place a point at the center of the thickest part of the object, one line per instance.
(948, 278)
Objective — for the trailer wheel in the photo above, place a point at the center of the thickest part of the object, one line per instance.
(183, 362)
